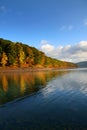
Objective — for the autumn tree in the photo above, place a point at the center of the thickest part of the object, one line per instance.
(4, 59)
(20, 54)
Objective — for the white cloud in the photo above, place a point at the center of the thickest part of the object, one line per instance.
(46, 46)
(71, 53)
(44, 42)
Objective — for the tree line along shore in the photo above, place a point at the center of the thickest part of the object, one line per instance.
(15, 55)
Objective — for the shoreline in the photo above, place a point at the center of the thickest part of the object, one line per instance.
(9, 70)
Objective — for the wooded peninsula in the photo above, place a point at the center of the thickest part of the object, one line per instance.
(17, 54)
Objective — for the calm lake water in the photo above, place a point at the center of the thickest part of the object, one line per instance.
(47, 100)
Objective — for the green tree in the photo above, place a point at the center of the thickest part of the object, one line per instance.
(0, 49)
(11, 53)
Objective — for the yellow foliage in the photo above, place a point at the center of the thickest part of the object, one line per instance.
(4, 59)
(5, 83)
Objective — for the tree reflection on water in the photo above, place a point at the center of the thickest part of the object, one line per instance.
(17, 85)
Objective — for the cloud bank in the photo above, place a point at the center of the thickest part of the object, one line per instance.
(72, 53)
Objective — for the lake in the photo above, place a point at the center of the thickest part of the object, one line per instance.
(46, 100)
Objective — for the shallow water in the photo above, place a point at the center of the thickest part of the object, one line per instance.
(52, 100)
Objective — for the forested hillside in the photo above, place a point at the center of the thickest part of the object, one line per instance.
(82, 64)
(21, 55)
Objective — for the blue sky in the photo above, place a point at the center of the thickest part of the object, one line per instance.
(39, 23)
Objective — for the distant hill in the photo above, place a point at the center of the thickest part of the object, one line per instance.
(21, 55)
(82, 64)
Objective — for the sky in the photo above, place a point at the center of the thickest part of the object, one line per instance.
(56, 27)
